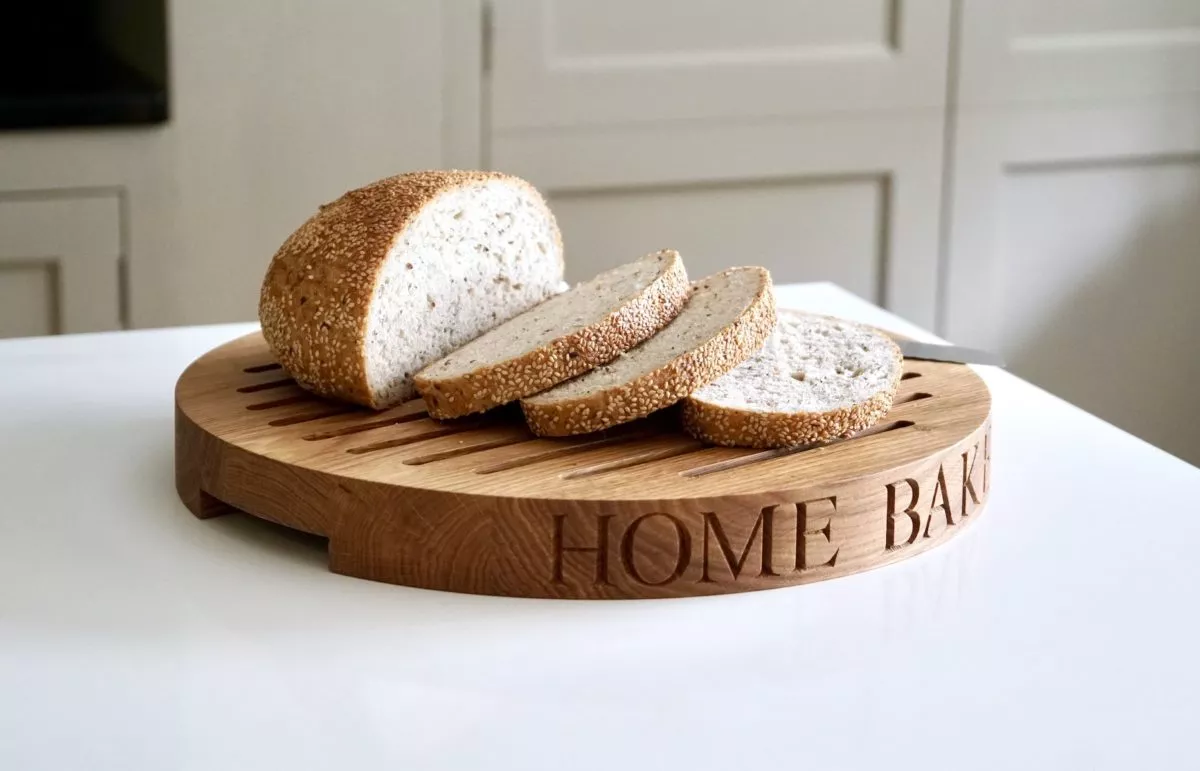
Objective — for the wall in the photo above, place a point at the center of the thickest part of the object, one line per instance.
(277, 106)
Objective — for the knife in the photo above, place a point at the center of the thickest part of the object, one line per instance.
(956, 354)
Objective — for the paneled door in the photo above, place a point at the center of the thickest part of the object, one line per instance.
(1074, 204)
(59, 262)
(572, 63)
(798, 134)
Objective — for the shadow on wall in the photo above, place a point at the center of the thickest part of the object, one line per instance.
(1113, 289)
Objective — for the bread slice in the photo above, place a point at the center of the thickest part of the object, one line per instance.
(565, 336)
(727, 318)
(818, 378)
(397, 274)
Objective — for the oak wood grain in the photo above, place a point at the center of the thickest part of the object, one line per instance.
(481, 505)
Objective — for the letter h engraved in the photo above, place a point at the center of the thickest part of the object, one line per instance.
(600, 549)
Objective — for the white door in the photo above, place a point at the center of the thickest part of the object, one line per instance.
(59, 263)
(1075, 204)
(573, 63)
(1075, 51)
(803, 136)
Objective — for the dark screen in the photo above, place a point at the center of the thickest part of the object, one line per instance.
(82, 62)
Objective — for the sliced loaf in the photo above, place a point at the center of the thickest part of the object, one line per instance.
(818, 378)
(394, 275)
(727, 318)
(565, 336)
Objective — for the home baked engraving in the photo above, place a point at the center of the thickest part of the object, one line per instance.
(666, 560)
(910, 518)
(657, 548)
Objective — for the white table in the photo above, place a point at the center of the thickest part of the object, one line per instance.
(1060, 631)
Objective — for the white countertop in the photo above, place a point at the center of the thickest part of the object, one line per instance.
(1060, 631)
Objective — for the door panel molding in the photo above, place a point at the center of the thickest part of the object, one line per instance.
(76, 237)
(801, 59)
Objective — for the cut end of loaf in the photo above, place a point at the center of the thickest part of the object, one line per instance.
(474, 257)
(362, 295)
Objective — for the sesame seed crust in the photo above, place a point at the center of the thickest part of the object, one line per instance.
(733, 427)
(730, 426)
(665, 385)
(315, 297)
(565, 357)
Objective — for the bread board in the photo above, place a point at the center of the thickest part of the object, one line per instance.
(480, 505)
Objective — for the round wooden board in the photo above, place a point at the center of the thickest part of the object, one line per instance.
(481, 505)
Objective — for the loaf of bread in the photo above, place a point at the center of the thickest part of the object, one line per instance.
(817, 378)
(563, 337)
(397, 274)
(726, 319)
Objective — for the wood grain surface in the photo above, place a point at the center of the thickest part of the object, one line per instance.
(481, 505)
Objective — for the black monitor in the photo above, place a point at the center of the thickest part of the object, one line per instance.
(82, 63)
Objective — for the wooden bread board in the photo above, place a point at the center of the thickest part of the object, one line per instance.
(480, 505)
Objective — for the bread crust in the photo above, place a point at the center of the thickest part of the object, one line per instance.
(738, 427)
(564, 357)
(666, 385)
(315, 297)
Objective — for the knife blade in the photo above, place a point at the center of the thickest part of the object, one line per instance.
(955, 354)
